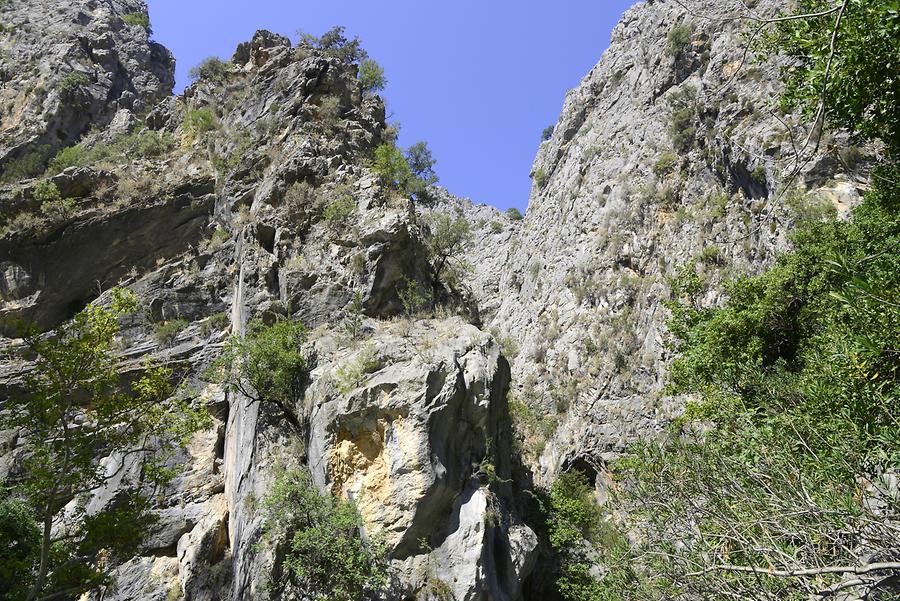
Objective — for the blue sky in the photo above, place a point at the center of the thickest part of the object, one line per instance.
(477, 80)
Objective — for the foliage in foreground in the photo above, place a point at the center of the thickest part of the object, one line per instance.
(76, 408)
(798, 376)
(325, 557)
(863, 92)
(782, 464)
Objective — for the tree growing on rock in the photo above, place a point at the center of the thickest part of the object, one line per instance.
(446, 243)
(267, 364)
(410, 172)
(371, 76)
(324, 556)
(334, 43)
(76, 408)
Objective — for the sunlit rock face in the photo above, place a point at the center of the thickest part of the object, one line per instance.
(69, 65)
(668, 152)
(406, 444)
(664, 154)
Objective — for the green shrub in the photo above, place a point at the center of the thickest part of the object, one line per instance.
(138, 19)
(45, 191)
(351, 374)
(496, 227)
(212, 69)
(354, 315)
(334, 43)
(547, 133)
(28, 165)
(215, 323)
(759, 175)
(809, 206)
(167, 331)
(71, 156)
(20, 547)
(144, 143)
(329, 109)
(371, 76)
(411, 296)
(199, 121)
(682, 131)
(319, 536)
(71, 84)
(421, 163)
(59, 210)
(514, 214)
(682, 127)
(215, 241)
(578, 534)
(678, 38)
(710, 254)
(665, 163)
(340, 207)
(540, 178)
(863, 97)
(533, 425)
(447, 241)
(796, 385)
(391, 167)
(24, 221)
(509, 348)
(53, 206)
(267, 364)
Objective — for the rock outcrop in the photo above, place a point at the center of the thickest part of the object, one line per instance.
(251, 197)
(67, 66)
(670, 151)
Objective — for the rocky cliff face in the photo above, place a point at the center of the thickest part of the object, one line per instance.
(671, 150)
(67, 66)
(249, 196)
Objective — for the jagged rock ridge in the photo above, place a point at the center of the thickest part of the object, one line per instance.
(268, 209)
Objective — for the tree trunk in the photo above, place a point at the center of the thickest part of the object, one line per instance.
(45, 557)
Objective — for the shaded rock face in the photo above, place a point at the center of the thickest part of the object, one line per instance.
(52, 276)
(666, 153)
(66, 66)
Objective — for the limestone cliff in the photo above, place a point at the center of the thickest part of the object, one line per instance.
(67, 66)
(251, 196)
(671, 150)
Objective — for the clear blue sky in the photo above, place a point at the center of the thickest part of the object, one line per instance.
(477, 80)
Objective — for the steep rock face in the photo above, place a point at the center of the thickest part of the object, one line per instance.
(405, 440)
(667, 152)
(262, 205)
(55, 272)
(65, 66)
(256, 202)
